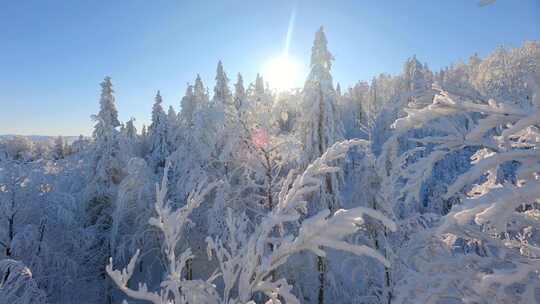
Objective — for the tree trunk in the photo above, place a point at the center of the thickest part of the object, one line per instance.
(321, 267)
(189, 269)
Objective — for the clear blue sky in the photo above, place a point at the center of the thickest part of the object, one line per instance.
(53, 54)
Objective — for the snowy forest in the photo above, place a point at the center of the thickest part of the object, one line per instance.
(422, 187)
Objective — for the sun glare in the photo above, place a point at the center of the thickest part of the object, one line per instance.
(282, 73)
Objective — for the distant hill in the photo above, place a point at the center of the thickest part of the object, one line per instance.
(38, 138)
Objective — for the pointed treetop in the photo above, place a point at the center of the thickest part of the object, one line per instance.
(320, 56)
(220, 72)
(199, 89)
(221, 90)
(108, 114)
(412, 64)
(239, 92)
(259, 84)
(475, 59)
(171, 112)
(144, 131)
(189, 91)
(219, 69)
(198, 80)
(239, 89)
(172, 117)
(131, 131)
(106, 84)
(157, 111)
(338, 90)
(188, 102)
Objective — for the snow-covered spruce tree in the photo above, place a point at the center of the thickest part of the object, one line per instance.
(259, 105)
(319, 128)
(198, 137)
(144, 131)
(350, 106)
(245, 261)
(240, 97)
(106, 156)
(222, 94)
(173, 129)
(496, 212)
(80, 144)
(131, 131)
(416, 76)
(226, 122)
(58, 149)
(158, 135)
(258, 87)
(131, 143)
(107, 162)
(197, 158)
(188, 107)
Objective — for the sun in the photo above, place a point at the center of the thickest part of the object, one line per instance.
(282, 72)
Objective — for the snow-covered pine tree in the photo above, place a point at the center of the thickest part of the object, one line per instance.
(173, 130)
(158, 135)
(106, 156)
(131, 131)
(196, 158)
(320, 127)
(80, 144)
(107, 164)
(260, 94)
(416, 76)
(130, 140)
(240, 97)
(197, 132)
(201, 93)
(188, 107)
(144, 131)
(224, 121)
(223, 98)
(58, 149)
(259, 85)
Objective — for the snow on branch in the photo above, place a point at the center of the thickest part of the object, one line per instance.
(17, 286)
(171, 223)
(252, 264)
(502, 133)
(244, 258)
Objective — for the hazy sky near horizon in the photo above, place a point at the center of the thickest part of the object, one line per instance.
(54, 54)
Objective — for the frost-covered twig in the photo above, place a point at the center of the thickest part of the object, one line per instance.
(253, 263)
(171, 223)
(502, 133)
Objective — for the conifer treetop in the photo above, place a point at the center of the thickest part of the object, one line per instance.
(320, 56)
(108, 113)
